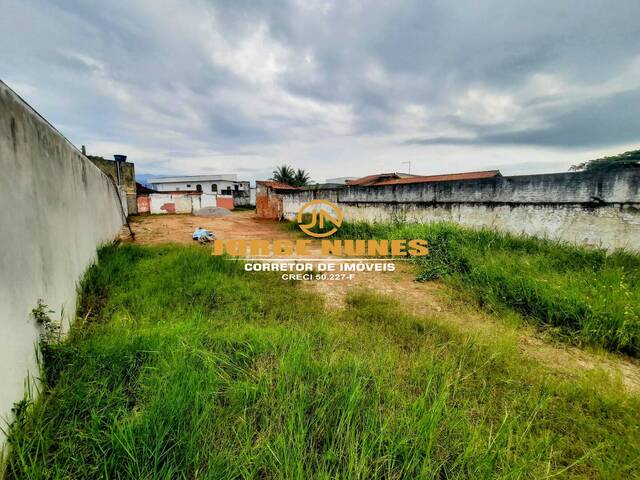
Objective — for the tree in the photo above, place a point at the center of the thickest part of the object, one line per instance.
(286, 174)
(623, 160)
(301, 178)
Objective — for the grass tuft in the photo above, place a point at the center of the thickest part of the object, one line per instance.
(187, 367)
(587, 296)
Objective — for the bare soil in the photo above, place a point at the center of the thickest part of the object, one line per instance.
(432, 299)
(157, 229)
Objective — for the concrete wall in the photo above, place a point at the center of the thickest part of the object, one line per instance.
(242, 198)
(160, 203)
(203, 201)
(595, 209)
(57, 207)
(169, 203)
(123, 174)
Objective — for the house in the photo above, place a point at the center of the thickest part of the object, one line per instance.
(382, 179)
(221, 184)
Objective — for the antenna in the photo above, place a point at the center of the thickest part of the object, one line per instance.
(409, 164)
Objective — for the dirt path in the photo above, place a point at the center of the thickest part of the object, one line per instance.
(433, 299)
(430, 299)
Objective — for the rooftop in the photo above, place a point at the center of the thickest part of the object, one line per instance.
(276, 185)
(230, 177)
(377, 177)
(442, 178)
(396, 178)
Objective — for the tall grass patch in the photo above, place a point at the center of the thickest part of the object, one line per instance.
(187, 367)
(586, 295)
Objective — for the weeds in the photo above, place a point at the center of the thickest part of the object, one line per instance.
(588, 296)
(50, 327)
(191, 368)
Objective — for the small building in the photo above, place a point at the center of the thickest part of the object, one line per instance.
(220, 184)
(224, 184)
(122, 173)
(268, 200)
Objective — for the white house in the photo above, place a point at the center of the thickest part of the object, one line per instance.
(224, 184)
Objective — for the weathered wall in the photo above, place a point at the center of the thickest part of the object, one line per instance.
(57, 207)
(123, 174)
(270, 205)
(143, 203)
(159, 203)
(225, 201)
(242, 198)
(203, 201)
(596, 209)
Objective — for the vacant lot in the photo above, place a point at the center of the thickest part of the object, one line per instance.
(224, 375)
(472, 306)
(181, 365)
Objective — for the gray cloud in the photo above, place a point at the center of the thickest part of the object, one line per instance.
(612, 120)
(242, 85)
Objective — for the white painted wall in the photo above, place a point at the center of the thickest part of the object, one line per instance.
(555, 206)
(57, 207)
(161, 203)
(202, 201)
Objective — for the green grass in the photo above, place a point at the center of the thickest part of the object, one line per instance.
(586, 295)
(187, 367)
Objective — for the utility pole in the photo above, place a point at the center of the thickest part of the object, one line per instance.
(409, 164)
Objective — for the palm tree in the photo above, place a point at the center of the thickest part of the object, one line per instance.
(284, 174)
(301, 178)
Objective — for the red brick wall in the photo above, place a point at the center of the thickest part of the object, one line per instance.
(224, 202)
(269, 206)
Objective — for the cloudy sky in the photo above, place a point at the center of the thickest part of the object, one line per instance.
(342, 88)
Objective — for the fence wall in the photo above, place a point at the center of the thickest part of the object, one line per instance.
(595, 209)
(57, 207)
(162, 203)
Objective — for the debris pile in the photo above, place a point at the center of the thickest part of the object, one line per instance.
(203, 236)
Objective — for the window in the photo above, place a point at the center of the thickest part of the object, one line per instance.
(188, 185)
(214, 188)
(236, 187)
(198, 188)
